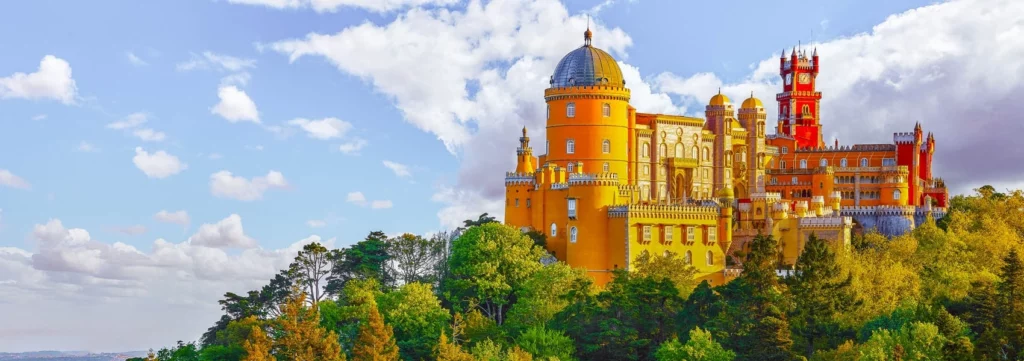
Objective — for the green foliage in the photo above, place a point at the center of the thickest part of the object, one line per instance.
(820, 293)
(366, 259)
(700, 347)
(916, 341)
(670, 267)
(542, 296)
(182, 352)
(545, 343)
(417, 317)
(414, 258)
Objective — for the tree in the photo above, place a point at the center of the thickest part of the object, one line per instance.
(257, 346)
(479, 221)
(700, 347)
(365, 259)
(1011, 303)
(768, 337)
(545, 343)
(820, 294)
(669, 267)
(488, 263)
(376, 340)
(414, 258)
(449, 351)
(542, 296)
(916, 341)
(300, 337)
(311, 267)
(417, 318)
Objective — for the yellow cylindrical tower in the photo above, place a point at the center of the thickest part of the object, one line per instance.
(725, 199)
(588, 112)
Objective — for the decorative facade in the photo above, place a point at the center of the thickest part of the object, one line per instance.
(614, 183)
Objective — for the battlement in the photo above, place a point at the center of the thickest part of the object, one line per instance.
(597, 179)
(780, 207)
(780, 136)
(707, 210)
(818, 199)
(559, 186)
(744, 207)
(514, 178)
(826, 222)
(900, 169)
(769, 197)
(904, 138)
(879, 210)
(836, 195)
(588, 91)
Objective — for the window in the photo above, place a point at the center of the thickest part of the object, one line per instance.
(775, 180)
(710, 258)
(554, 230)
(570, 146)
(667, 235)
(549, 112)
(688, 257)
(570, 110)
(863, 162)
(570, 167)
(606, 146)
(663, 152)
(572, 235)
(794, 180)
(645, 150)
(679, 150)
(647, 234)
(527, 203)
(712, 235)
(896, 194)
(728, 173)
(785, 150)
(888, 162)
(647, 169)
(823, 162)
(785, 111)
(742, 157)
(606, 110)
(803, 164)
(707, 154)
(605, 167)
(661, 170)
(783, 164)
(690, 235)
(693, 153)
(517, 202)
(807, 110)
(842, 162)
(572, 207)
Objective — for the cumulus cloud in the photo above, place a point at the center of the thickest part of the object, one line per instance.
(235, 105)
(359, 199)
(322, 6)
(158, 165)
(180, 218)
(356, 198)
(135, 59)
(131, 121)
(149, 135)
(211, 61)
(225, 185)
(227, 233)
(9, 179)
(327, 128)
(353, 147)
(51, 81)
(400, 170)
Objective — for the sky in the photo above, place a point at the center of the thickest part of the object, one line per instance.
(156, 154)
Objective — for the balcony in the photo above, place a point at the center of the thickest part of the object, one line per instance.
(676, 162)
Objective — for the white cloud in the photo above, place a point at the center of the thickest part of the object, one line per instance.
(316, 223)
(52, 80)
(158, 165)
(225, 185)
(380, 204)
(39, 117)
(180, 218)
(86, 147)
(227, 233)
(356, 198)
(9, 179)
(400, 170)
(149, 135)
(240, 79)
(321, 6)
(235, 105)
(135, 59)
(131, 121)
(327, 128)
(353, 146)
(212, 61)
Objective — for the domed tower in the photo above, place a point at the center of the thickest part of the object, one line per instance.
(587, 117)
(721, 120)
(753, 118)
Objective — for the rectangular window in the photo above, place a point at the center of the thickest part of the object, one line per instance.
(888, 162)
(667, 235)
(605, 167)
(712, 235)
(647, 233)
(517, 202)
(527, 203)
(785, 150)
(572, 207)
(690, 235)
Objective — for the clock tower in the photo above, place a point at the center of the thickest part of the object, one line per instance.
(799, 101)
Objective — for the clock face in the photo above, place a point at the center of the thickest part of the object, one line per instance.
(805, 78)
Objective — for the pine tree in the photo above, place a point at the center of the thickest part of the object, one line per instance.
(769, 337)
(448, 351)
(820, 295)
(1011, 303)
(376, 340)
(257, 347)
(302, 338)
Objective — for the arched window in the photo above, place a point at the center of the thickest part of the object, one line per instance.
(823, 163)
(663, 152)
(863, 162)
(647, 169)
(694, 153)
(688, 257)
(570, 167)
(605, 168)
(645, 150)
(707, 154)
(896, 194)
(572, 235)
(803, 164)
(679, 150)
(554, 230)
(606, 110)
(743, 157)
(606, 146)
(710, 258)
(807, 110)
(570, 146)
(842, 162)
(570, 110)
(785, 111)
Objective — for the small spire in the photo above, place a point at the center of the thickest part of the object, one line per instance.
(719, 90)
(751, 94)
(587, 35)
(524, 131)
(793, 54)
(815, 51)
(783, 53)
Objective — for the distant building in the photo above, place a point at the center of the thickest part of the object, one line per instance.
(613, 183)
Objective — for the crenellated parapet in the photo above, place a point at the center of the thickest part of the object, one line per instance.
(559, 186)
(706, 211)
(744, 207)
(769, 197)
(594, 179)
(514, 178)
(879, 210)
(826, 222)
(590, 91)
(904, 138)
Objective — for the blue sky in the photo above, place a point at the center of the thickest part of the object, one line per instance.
(434, 88)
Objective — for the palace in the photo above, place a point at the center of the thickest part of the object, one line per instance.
(614, 183)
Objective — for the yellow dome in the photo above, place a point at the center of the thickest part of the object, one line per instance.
(725, 192)
(752, 102)
(720, 99)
